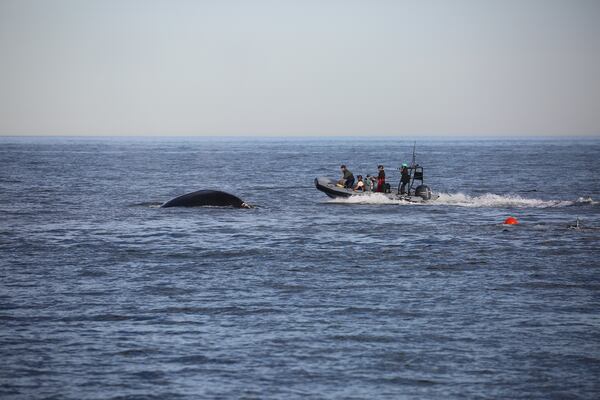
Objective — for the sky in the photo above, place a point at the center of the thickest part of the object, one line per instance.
(300, 68)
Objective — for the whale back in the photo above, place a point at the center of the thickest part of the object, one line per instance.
(203, 198)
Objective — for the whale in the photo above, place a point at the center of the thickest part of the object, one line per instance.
(206, 198)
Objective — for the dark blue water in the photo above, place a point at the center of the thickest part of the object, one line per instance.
(104, 295)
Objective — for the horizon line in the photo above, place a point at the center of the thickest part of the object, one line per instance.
(515, 137)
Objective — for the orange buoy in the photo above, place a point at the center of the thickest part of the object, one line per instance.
(511, 221)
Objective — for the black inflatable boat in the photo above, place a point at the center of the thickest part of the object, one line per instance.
(417, 191)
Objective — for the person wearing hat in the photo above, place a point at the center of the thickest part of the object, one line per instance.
(405, 178)
(380, 179)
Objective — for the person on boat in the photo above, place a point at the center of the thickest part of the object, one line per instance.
(360, 184)
(381, 179)
(405, 178)
(368, 183)
(348, 178)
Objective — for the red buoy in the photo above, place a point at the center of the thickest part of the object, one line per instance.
(511, 221)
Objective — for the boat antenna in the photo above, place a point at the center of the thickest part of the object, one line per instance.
(414, 159)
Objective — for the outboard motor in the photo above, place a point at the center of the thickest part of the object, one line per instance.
(423, 191)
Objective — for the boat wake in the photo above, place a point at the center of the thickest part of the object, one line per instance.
(372, 198)
(463, 200)
(496, 200)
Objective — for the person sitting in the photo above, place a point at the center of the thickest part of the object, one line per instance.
(405, 179)
(360, 185)
(347, 178)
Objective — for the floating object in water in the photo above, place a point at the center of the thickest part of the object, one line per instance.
(576, 225)
(511, 221)
(203, 198)
(579, 226)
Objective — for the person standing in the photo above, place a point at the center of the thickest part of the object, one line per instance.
(368, 183)
(405, 178)
(381, 179)
(348, 177)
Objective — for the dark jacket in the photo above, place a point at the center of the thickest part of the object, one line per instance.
(405, 175)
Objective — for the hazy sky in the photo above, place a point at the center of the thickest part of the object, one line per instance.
(446, 67)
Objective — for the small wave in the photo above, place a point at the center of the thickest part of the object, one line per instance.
(195, 359)
(365, 338)
(148, 204)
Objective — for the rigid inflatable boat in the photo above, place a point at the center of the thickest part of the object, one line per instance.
(417, 191)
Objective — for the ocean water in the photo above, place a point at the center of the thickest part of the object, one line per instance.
(104, 295)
